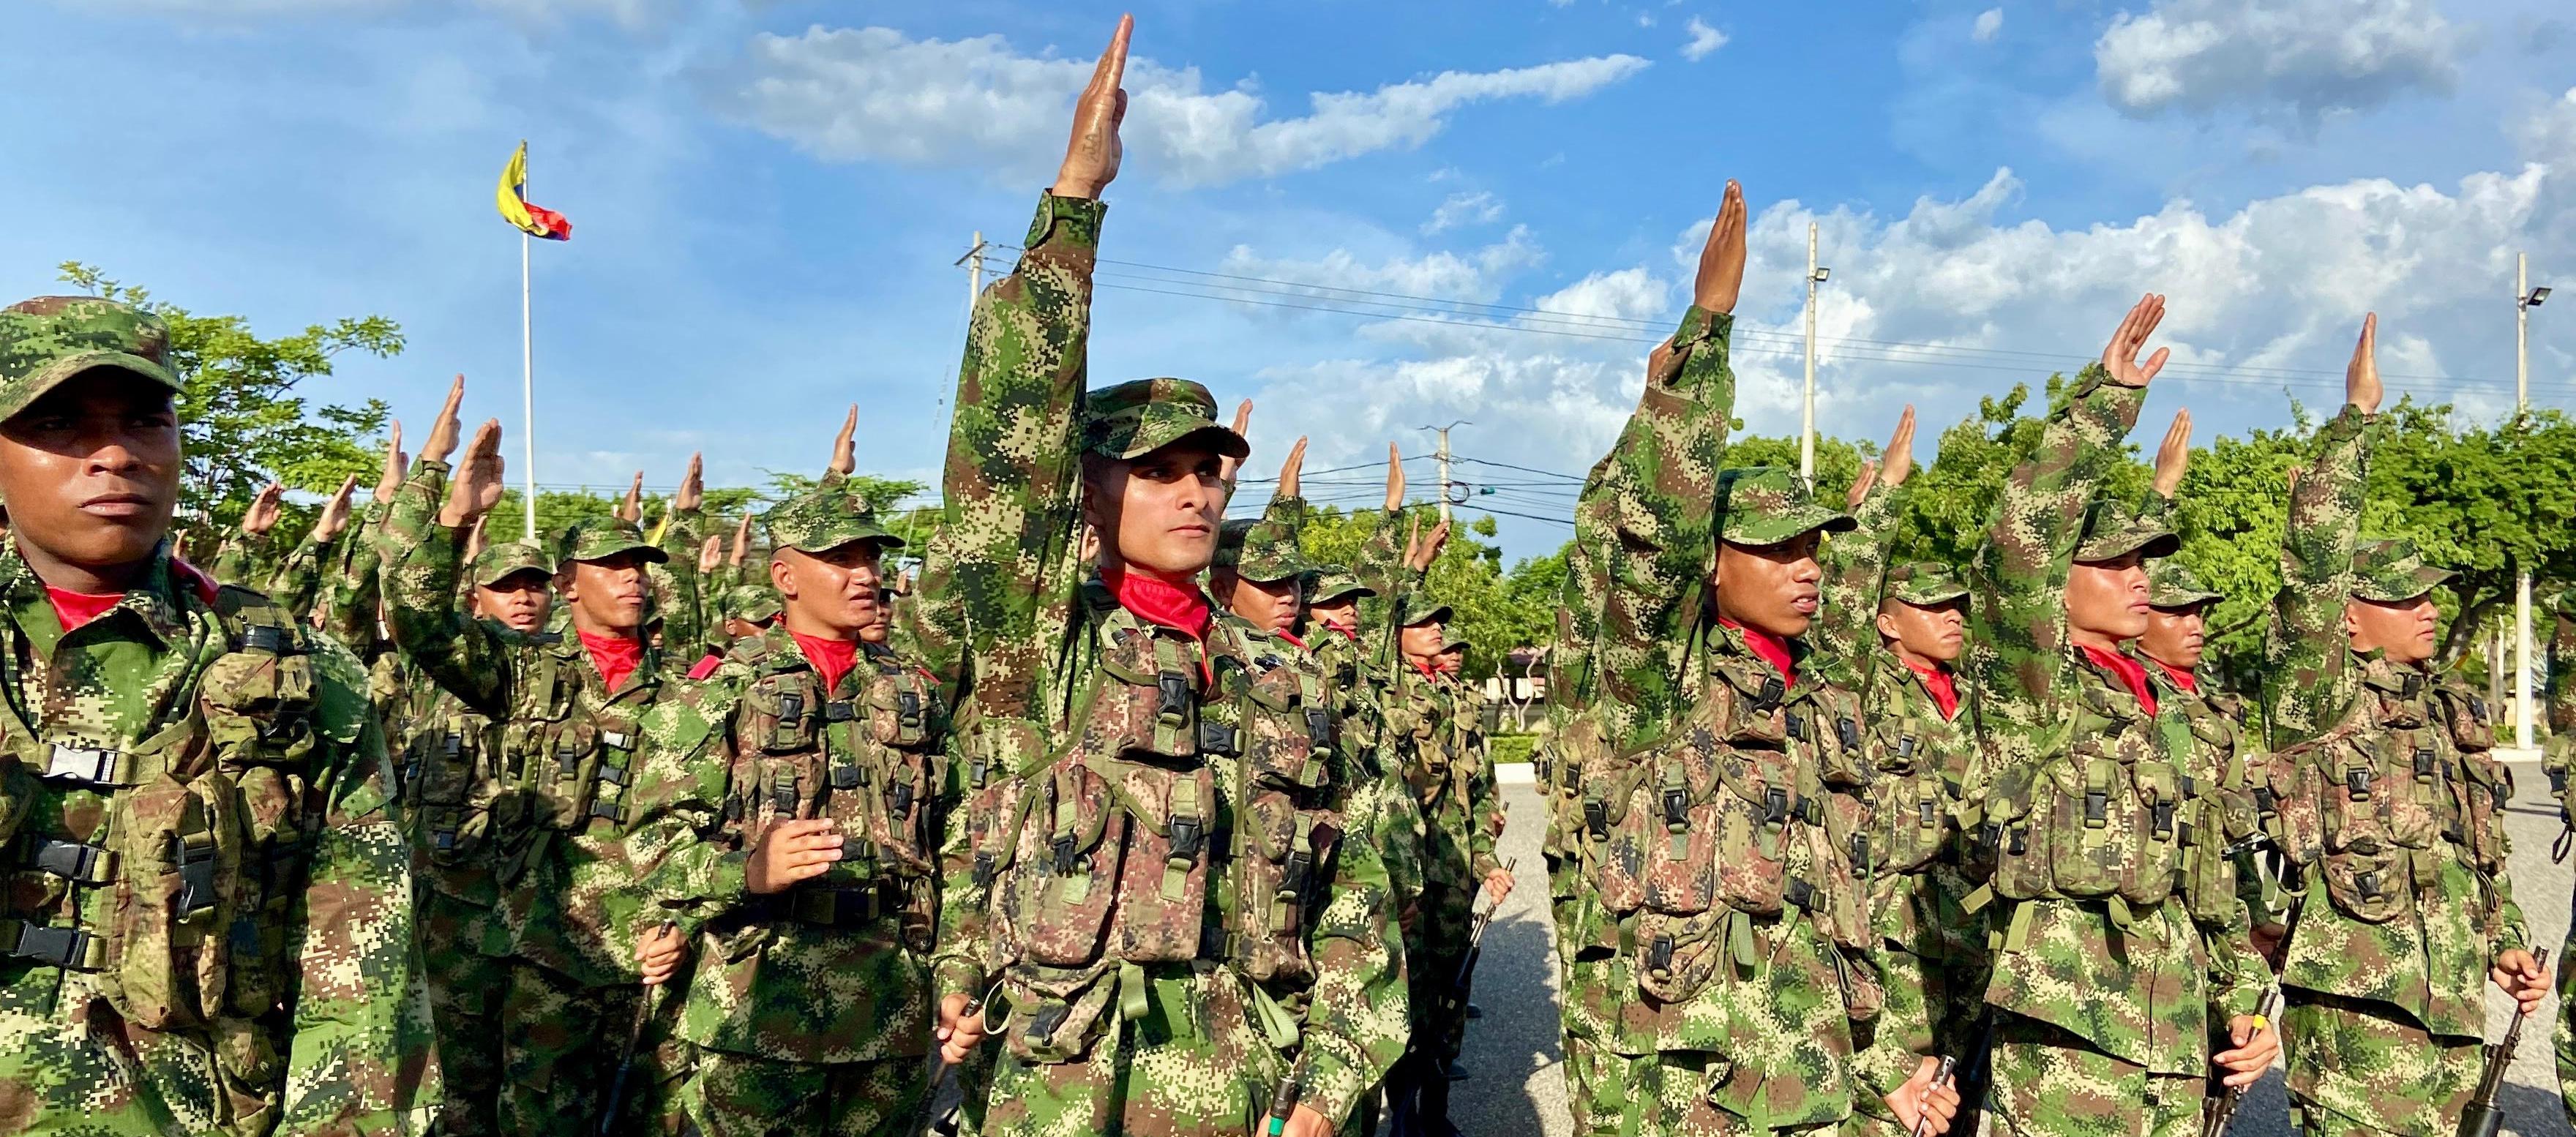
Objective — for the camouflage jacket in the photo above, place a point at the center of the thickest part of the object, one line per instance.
(2227, 741)
(2146, 978)
(2416, 900)
(836, 969)
(566, 746)
(1025, 646)
(1436, 750)
(689, 610)
(292, 955)
(2559, 698)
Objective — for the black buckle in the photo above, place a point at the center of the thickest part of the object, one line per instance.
(2020, 841)
(847, 777)
(980, 769)
(265, 638)
(612, 775)
(1904, 746)
(791, 707)
(1292, 879)
(69, 860)
(1189, 837)
(1770, 694)
(1319, 728)
(2368, 883)
(1797, 726)
(196, 876)
(2161, 816)
(2423, 763)
(2265, 801)
(839, 710)
(605, 809)
(984, 870)
(1217, 738)
(452, 746)
(1171, 694)
(1659, 955)
(733, 809)
(2411, 686)
(1860, 853)
(1990, 836)
(1847, 731)
(1067, 858)
(1775, 806)
(2356, 781)
(567, 760)
(2477, 708)
(1677, 808)
(2097, 807)
(1048, 1019)
(907, 706)
(1811, 810)
(1596, 817)
(901, 800)
(1930, 813)
(53, 947)
(782, 798)
(1802, 894)
(444, 840)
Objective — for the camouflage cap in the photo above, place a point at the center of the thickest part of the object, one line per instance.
(1765, 505)
(1924, 584)
(1453, 640)
(599, 538)
(2390, 569)
(1258, 551)
(2170, 585)
(2113, 530)
(1334, 584)
(753, 602)
(499, 561)
(1141, 416)
(821, 520)
(49, 339)
(1420, 608)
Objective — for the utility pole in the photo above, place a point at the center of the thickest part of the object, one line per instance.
(1443, 455)
(1807, 431)
(974, 262)
(2523, 303)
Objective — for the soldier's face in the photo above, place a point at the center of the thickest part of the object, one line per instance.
(1934, 633)
(1423, 641)
(2175, 636)
(520, 601)
(1160, 510)
(1269, 605)
(2107, 600)
(2408, 630)
(91, 472)
(1770, 588)
(607, 596)
(1341, 613)
(833, 593)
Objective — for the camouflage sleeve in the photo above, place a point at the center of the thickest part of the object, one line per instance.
(2024, 676)
(1358, 1012)
(1651, 508)
(679, 593)
(2561, 701)
(2311, 677)
(423, 562)
(957, 958)
(1484, 798)
(1012, 483)
(359, 1061)
(684, 864)
(350, 615)
(1379, 568)
(297, 584)
(1855, 566)
(2238, 975)
(245, 558)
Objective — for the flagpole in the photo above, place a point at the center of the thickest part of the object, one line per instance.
(527, 389)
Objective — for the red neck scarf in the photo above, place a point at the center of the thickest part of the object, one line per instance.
(1348, 633)
(1291, 637)
(1428, 671)
(1770, 649)
(1943, 685)
(2132, 673)
(706, 667)
(832, 659)
(77, 608)
(2183, 678)
(1158, 601)
(616, 657)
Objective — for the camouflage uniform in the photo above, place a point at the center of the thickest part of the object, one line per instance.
(2556, 753)
(1155, 998)
(2123, 946)
(207, 927)
(2223, 730)
(810, 1010)
(2385, 972)
(563, 758)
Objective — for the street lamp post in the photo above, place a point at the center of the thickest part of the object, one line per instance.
(1807, 431)
(2525, 298)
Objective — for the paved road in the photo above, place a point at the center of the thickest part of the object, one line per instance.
(1519, 1085)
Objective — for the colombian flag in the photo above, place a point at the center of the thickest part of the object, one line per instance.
(533, 220)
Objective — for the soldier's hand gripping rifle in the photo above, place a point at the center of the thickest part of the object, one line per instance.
(2267, 1016)
(942, 1071)
(1404, 1117)
(1465, 980)
(645, 1006)
(2483, 1117)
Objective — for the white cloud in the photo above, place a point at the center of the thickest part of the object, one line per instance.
(1703, 40)
(1475, 208)
(1476, 278)
(875, 94)
(1990, 23)
(2306, 57)
(2548, 134)
(632, 14)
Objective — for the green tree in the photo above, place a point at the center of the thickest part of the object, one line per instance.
(1496, 609)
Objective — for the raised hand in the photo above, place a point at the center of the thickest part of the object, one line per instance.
(1721, 261)
(631, 508)
(1288, 469)
(2120, 356)
(1861, 485)
(693, 485)
(1394, 478)
(263, 512)
(1091, 155)
(2174, 457)
(1225, 466)
(1420, 558)
(2361, 377)
(397, 464)
(1897, 463)
(845, 446)
(335, 512)
(741, 540)
(443, 429)
(478, 538)
(476, 487)
(710, 555)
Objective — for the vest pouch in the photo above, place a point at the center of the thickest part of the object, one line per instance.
(1162, 909)
(1057, 1014)
(1683, 824)
(904, 783)
(1620, 826)
(2466, 715)
(1152, 705)
(1062, 882)
(2016, 832)
(2209, 879)
(1864, 993)
(2484, 792)
(1283, 873)
(2367, 868)
(179, 845)
(18, 790)
(1291, 729)
(2288, 800)
(1676, 957)
(564, 768)
(258, 706)
(1831, 720)
(783, 715)
(1842, 869)
(272, 879)
(452, 789)
(2165, 815)
(1911, 819)
(899, 707)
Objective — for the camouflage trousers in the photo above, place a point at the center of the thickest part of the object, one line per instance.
(739, 1095)
(466, 988)
(2047, 1082)
(1431, 970)
(85, 1071)
(2358, 1067)
(1676, 1098)
(566, 1042)
(1196, 1065)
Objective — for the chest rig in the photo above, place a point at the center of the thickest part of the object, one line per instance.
(169, 863)
(1751, 810)
(571, 753)
(2408, 778)
(2117, 811)
(455, 789)
(1430, 738)
(863, 755)
(1180, 819)
(1914, 796)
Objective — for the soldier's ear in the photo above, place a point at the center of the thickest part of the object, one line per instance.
(1886, 625)
(781, 579)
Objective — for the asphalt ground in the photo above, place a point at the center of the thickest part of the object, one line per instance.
(1518, 1082)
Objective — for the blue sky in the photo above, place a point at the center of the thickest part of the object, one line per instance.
(768, 198)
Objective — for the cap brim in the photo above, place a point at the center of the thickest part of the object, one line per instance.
(505, 572)
(25, 392)
(2142, 540)
(1935, 597)
(1226, 442)
(2397, 589)
(1441, 613)
(1783, 530)
(1353, 589)
(2180, 599)
(870, 534)
(650, 553)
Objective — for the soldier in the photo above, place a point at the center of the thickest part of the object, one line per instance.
(569, 709)
(2557, 754)
(1728, 952)
(1108, 721)
(790, 809)
(208, 924)
(2124, 948)
(749, 610)
(2385, 1017)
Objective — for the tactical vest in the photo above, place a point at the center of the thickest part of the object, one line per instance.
(1430, 740)
(459, 801)
(2114, 811)
(1180, 819)
(1751, 809)
(202, 842)
(1913, 798)
(2408, 778)
(866, 757)
(574, 763)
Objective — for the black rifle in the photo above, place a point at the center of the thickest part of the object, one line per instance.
(930, 1120)
(1283, 1101)
(2483, 1117)
(1403, 1108)
(645, 1005)
(2267, 1016)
